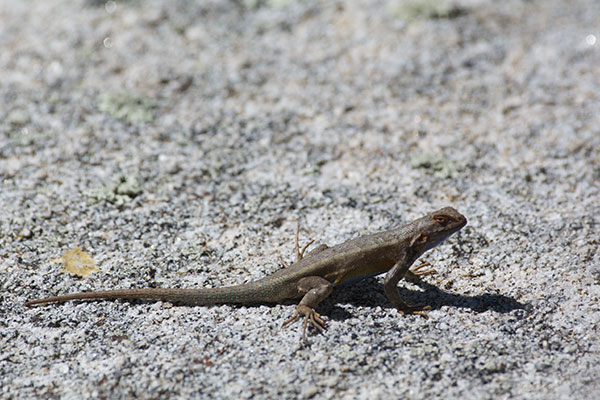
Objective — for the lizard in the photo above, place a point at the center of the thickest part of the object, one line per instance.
(313, 277)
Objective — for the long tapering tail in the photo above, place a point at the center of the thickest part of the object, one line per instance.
(174, 295)
(240, 294)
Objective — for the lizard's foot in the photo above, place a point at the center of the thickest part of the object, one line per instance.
(285, 265)
(406, 309)
(417, 272)
(309, 315)
(300, 253)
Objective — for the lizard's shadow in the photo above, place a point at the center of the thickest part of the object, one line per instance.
(370, 293)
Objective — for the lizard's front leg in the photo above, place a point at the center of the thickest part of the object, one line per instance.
(390, 286)
(315, 290)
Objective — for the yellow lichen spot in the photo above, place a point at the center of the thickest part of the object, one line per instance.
(78, 262)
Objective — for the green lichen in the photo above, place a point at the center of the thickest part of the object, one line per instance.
(127, 106)
(437, 165)
(120, 191)
(414, 10)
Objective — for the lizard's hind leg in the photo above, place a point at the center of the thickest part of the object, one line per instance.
(298, 251)
(316, 290)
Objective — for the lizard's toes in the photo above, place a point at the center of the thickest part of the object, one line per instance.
(310, 317)
(415, 310)
(292, 319)
(415, 274)
(317, 321)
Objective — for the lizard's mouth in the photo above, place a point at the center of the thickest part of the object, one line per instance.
(439, 240)
(433, 244)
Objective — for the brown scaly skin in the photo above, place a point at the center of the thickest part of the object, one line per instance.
(313, 277)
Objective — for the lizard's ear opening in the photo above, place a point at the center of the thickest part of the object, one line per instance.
(419, 239)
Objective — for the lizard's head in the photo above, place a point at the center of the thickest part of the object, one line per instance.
(435, 227)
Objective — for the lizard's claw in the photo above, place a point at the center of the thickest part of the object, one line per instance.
(414, 310)
(310, 315)
(417, 272)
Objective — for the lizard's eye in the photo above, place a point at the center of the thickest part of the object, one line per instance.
(422, 239)
(441, 219)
